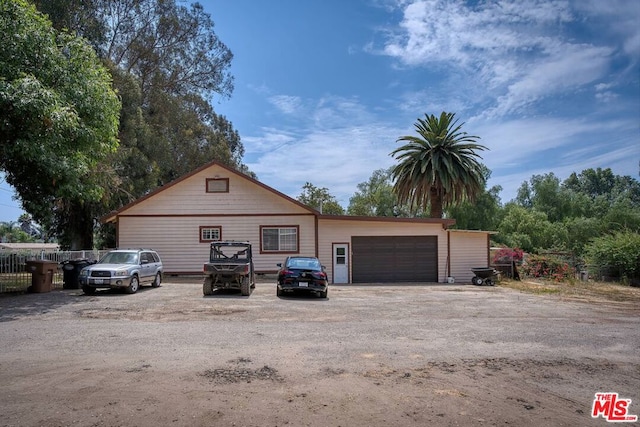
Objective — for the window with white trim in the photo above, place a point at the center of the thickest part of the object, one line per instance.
(210, 234)
(279, 239)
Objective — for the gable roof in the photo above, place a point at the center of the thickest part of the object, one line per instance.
(111, 217)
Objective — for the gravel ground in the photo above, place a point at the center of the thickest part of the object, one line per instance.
(443, 355)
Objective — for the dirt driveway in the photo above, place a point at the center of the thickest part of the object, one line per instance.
(441, 355)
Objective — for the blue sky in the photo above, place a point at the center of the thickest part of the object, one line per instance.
(324, 88)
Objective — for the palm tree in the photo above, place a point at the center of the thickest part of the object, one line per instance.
(439, 167)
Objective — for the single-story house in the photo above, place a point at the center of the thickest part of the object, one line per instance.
(215, 202)
(16, 247)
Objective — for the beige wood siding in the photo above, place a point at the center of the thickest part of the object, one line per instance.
(340, 231)
(177, 238)
(468, 250)
(189, 197)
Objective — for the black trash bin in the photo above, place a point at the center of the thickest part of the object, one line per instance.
(71, 272)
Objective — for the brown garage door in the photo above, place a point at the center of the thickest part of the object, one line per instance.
(394, 259)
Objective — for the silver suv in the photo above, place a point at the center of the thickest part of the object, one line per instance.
(126, 269)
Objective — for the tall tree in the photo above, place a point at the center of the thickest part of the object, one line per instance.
(544, 193)
(167, 63)
(375, 197)
(320, 199)
(439, 167)
(60, 116)
(484, 214)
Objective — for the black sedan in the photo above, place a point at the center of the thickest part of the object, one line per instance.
(304, 274)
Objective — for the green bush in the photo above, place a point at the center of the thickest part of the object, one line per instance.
(615, 255)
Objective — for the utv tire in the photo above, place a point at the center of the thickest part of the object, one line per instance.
(207, 287)
(245, 287)
(476, 280)
(88, 290)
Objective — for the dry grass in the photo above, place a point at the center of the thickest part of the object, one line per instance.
(588, 291)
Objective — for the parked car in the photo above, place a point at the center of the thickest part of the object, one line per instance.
(126, 269)
(304, 274)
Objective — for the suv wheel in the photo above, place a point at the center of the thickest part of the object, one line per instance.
(133, 286)
(157, 281)
(88, 290)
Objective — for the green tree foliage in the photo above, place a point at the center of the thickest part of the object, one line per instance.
(376, 197)
(439, 167)
(10, 232)
(523, 228)
(615, 255)
(320, 199)
(27, 225)
(484, 214)
(584, 206)
(60, 115)
(167, 63)
(544, 194)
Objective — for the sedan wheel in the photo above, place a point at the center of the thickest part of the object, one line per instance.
(134, 285)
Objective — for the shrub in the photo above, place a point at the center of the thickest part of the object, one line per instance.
(506, 255)
(615, 255)
(548, 267)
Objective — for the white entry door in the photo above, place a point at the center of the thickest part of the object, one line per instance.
(340, 263)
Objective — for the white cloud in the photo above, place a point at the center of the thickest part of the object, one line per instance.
(516, 51)
(570, 67)
(286, 104)
(337, 158)
(340, 144)
(500, 60)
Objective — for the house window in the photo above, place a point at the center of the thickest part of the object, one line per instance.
(209, 234)
(217, 185)
(279, 239)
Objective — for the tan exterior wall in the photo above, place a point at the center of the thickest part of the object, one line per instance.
(169, 221)
(468, 250)
(340, 231)
(190, 197)
(177, 238)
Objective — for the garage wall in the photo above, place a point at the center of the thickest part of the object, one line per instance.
(340, 231)
(177, 238)
(469, 249)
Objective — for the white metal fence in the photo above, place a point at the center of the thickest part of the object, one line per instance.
(14, 276)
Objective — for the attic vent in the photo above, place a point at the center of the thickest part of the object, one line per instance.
(217, 185)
